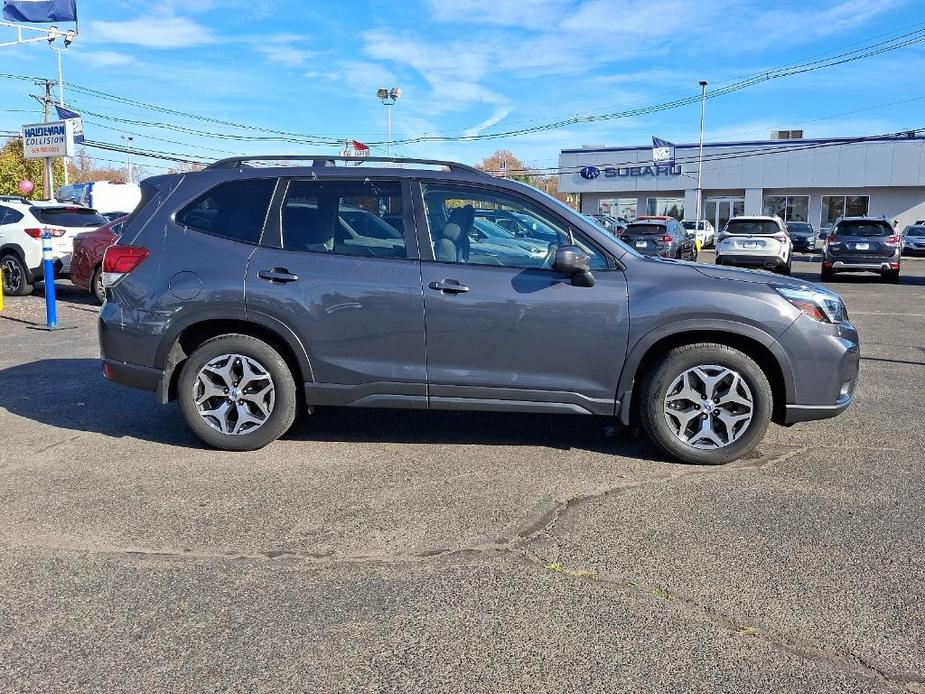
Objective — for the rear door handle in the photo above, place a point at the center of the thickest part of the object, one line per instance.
(278, 275)
(449, 286)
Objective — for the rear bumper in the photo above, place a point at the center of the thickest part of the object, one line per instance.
(769, 262)
(132, 375)
(848, 265)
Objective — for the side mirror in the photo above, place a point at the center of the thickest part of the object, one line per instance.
(573, 261)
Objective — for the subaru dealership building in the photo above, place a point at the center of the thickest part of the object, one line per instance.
(814, 180)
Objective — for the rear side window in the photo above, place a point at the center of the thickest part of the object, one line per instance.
(756, 226)
(344, 218)
(235, 210)
(68, 216)
(647, 229)
(864, 229)
(9, 216)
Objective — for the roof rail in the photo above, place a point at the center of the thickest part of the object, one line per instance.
(324, 160)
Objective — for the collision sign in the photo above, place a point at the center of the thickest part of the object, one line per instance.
(43, 140)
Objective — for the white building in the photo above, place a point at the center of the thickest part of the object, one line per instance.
(814, 180)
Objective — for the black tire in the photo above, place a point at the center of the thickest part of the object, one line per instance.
(892, 276)
(96, 286)
(15, 276)
(654, 389)
(283, 411)
(826, 275)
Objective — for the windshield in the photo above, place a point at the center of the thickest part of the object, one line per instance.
(799, 228)
(752, 226)
(860, 228)
(68, 216)
(646, 229)
(692, 225)
(916, 231)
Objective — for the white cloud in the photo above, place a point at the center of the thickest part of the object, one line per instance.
(152, 31)
(285, 49)
(495, 118)
(524, 13)
(104, 58)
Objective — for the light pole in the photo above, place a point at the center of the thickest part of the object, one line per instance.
(68, 36)
(128, 156)
(388, 97)
(703, 102)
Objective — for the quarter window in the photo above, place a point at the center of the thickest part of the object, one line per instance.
(235, 210)
(487, 227)
(344, 217)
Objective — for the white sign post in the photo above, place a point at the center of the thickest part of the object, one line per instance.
(49, 140)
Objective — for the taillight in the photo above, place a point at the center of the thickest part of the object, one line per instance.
(666, 239)
(37, 233)
(894, 241)
(780, 237)
(831, 238)
(118, 261)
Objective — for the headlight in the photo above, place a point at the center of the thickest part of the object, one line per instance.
(818, 304)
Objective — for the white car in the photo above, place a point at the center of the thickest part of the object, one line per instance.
(21, 225)
(755, 241)
(705, 232)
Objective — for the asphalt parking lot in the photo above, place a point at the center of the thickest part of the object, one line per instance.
(429, 552)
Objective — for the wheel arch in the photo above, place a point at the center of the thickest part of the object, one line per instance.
(757, 344)
(186, 338)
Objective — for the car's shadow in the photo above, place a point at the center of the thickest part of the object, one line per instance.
(72, 394)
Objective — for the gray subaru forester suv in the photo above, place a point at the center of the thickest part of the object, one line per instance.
(248, 292)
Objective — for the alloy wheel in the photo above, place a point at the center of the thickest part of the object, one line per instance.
(234, 394)
(709, 406)
(12, 275)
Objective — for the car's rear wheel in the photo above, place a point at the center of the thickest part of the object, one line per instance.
(706, 403)
(826, 275)
(96, 286)
(15, 276)
(237, 393)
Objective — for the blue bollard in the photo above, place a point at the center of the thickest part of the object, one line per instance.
(48, 266)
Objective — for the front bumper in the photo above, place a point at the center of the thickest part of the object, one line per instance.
(826, 374)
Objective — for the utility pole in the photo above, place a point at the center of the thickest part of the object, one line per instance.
(47, 101)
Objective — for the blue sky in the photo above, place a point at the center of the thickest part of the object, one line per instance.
(476, 66)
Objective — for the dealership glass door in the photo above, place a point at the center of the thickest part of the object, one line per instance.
(721, 210)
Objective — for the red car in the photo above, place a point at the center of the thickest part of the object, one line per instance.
(86, 263)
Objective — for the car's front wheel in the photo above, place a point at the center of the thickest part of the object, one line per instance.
(706, 403)
(15, 276)
(237, 393)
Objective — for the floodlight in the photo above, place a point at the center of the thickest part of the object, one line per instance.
(395, 93)
(383, 93)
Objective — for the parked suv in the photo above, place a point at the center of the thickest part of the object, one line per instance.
(859, 244)
(21, 224)
(755, 241)
(913, 239)
(246, 292)
(660, 236)
(703, 229)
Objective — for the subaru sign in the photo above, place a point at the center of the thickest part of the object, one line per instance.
(590, 172)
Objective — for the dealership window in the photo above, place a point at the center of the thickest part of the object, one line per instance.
(835, 206)
(790, 208)
(673, 207)
(618, 208)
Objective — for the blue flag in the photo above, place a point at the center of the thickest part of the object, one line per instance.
(662, 151)
(40, 11)
(78, 124)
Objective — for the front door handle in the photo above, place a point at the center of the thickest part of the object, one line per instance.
(449, 287)
(278, 275)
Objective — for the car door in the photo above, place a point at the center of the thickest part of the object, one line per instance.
(509, 332)
(346, 280)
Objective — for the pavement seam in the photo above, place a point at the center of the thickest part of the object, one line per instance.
(779, 640)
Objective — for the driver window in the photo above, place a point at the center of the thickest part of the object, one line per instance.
(487, 227)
